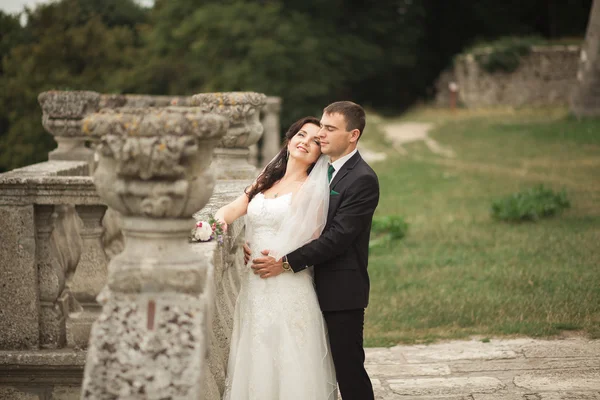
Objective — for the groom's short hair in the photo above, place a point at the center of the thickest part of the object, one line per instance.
(352, 112)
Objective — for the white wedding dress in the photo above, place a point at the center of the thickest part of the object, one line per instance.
(279, 348)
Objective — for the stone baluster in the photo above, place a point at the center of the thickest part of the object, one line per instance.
(151, 336)
(89, 277)
(63, 112)
(52, 280)
(242, 110)
(271, 142)
(58, 248)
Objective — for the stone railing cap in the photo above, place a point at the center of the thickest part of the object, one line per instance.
(142, 100)
(221, 99)
(236, 106)
(43, 358)
(29, 189)
(68, 104)
(177, 121)
(53, 167)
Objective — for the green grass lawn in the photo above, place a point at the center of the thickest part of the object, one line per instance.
(460, 273)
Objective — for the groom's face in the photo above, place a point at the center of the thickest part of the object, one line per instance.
(335, 138)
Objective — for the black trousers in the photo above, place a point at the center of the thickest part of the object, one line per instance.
(345, 329)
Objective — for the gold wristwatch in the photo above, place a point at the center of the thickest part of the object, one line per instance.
(286, 264)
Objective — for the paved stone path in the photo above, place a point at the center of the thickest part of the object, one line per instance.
(523, 369)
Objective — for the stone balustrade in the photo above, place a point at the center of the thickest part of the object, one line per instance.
(40, 248)
(149, 190)
(58, 373)
(59, 199)
(248, 112)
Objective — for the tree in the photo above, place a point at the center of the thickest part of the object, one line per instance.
(64, 47)
(586, 99)
(310, 53)
(11, 34)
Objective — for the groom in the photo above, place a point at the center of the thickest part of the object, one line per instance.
(340, 254)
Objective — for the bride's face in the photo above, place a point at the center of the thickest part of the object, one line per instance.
(305, 145)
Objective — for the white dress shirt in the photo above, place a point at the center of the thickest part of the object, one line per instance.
(339, 163)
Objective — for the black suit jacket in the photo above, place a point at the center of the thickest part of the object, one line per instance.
(340, 254)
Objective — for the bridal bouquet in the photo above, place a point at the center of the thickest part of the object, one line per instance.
(207, 231)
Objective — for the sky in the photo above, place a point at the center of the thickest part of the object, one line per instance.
(15, 6)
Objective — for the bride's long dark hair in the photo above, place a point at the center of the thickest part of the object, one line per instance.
(276, 168)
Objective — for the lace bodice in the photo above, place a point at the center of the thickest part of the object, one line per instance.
(264, 219)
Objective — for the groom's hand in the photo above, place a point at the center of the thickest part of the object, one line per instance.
(267, 266)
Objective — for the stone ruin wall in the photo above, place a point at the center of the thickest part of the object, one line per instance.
(545, 77)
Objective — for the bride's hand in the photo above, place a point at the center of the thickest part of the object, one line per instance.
(223, 224)
(247, 253)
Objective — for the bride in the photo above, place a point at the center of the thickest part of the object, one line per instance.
(279, 347)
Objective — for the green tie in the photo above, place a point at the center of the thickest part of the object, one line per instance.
(330, 172)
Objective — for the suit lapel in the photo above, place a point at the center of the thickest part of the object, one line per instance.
(347, 167)
(345, 170)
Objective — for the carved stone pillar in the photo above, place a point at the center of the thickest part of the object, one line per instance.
(271, 143)
(62, 115)
(242, 111)
(151, 336)
(19, 297)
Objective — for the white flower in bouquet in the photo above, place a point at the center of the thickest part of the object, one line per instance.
(203, 232)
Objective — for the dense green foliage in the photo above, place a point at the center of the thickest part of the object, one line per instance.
(530, 205)
(503, 55)
(383, 54)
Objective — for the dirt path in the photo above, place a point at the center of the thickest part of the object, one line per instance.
(410, 132)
